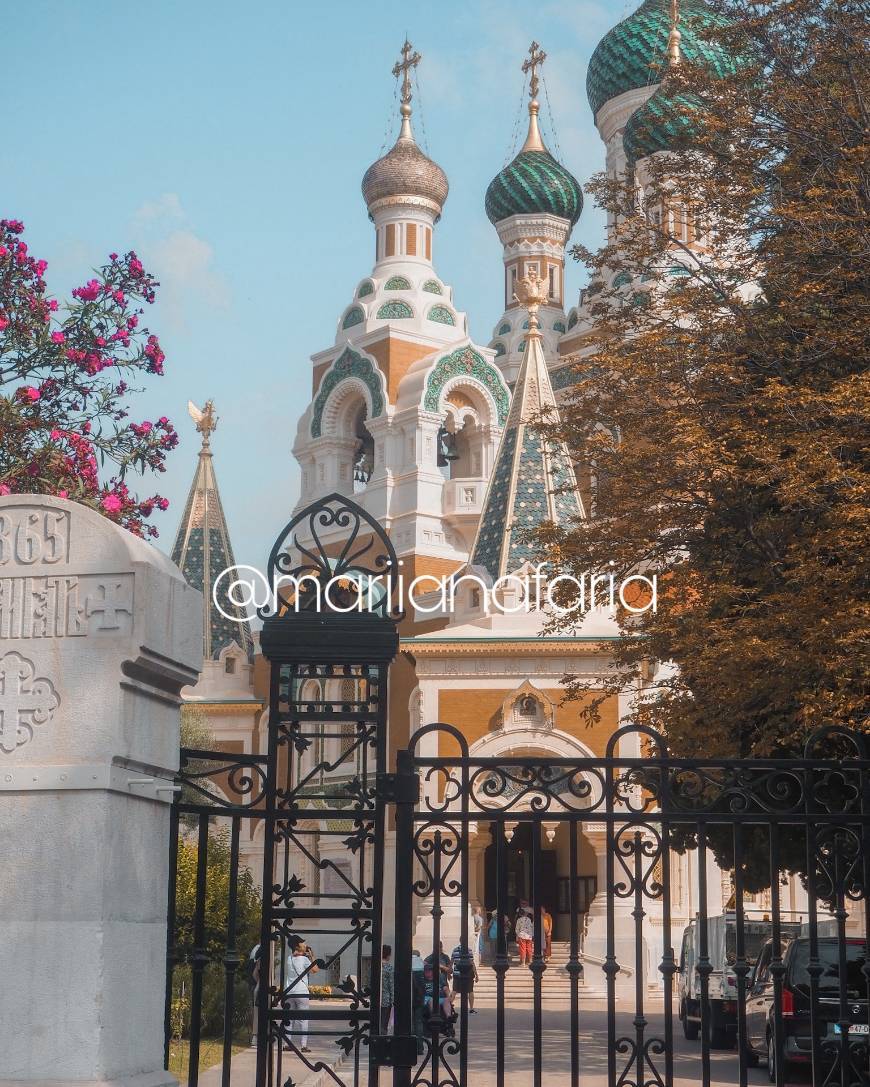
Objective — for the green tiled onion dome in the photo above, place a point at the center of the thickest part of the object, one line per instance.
(633, 53)
(534, 182)
(664, 121)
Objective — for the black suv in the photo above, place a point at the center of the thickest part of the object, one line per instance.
(796, 1034)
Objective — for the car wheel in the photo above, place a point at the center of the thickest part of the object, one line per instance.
(690, 1029)
(771, 1059)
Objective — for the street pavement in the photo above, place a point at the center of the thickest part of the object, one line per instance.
(519, 1061)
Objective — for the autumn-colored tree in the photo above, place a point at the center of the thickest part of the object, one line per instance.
(64, 390)
(722, 410)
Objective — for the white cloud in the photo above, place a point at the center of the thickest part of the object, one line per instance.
(182, 261)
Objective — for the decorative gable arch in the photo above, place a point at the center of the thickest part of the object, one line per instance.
(465, 362)
(352, 366)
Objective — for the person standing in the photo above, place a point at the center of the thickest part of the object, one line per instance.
(547, 930)
(418, 997)
(477, 922)
(387, 987)
(300, 967)
(525, 933)
(456, 958)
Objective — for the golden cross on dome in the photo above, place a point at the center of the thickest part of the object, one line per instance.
(537, 56)
(403, 67)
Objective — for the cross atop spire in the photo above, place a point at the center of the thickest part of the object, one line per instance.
(403, 68)
(675, 36)
(535, 59)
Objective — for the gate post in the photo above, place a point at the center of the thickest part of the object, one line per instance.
(330, 637)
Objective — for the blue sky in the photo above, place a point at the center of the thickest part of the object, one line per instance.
(226, 142)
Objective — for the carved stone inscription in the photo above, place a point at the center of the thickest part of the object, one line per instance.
(43, 604)
(33, 536)
(25, 700)
(65, 607)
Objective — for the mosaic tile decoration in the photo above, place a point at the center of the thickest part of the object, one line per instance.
(632, 54)
(661, 123)
(395, 311)
(442, 315)
(465, 360)
(559, 326)
(366, 289)
(491, 534)
(354, 316)
(432, 286)
(528, 472)
(200, 566)
(397, 283)
(534, 182)
(348, 364)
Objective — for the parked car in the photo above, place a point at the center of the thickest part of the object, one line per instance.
(796, 1039)
(722, 987)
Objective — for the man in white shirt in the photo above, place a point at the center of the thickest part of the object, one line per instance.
(300, 966)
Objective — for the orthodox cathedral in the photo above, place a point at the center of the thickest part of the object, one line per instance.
(432, 434)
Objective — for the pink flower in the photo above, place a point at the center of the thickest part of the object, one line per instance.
(4, 489)
(58, 337)
(4, 323)
(62, 494)
(41, 265)
(111, 503)
(163, 503)
(3, 251)
(29, 393)
(55, 435)
(89, 293)
(119, 297)
(113, 256)
(52, 305)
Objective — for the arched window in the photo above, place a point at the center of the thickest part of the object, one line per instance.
(397, 283)
(432, 286)
(499, 349)
(364, 453)
(504, 329)
(559, 326)
(442, 315)
(395, 311)
(366, 289)
(354, 316)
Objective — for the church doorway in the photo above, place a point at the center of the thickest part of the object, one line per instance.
(553, 883)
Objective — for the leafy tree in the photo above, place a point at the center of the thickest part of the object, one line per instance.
(724, 410)
(63, 384)
(215, 927)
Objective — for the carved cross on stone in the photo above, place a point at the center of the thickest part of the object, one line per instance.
(24, 701)
(109, 605)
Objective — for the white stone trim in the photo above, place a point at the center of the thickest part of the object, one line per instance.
(144, 784)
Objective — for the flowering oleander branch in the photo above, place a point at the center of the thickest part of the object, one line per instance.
(64, 388)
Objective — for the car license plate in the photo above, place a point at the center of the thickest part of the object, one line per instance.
(856, 1028)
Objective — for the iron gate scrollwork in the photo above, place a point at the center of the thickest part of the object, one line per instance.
(645, 807)
(317, 793)
(319, 797)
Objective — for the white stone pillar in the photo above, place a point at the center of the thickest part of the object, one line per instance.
(98, 634)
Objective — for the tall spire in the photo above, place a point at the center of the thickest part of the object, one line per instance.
(674, 37)
(533, 479)
(404, 67)
(535, 59)
(202, 547)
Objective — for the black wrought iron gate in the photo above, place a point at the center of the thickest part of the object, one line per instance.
(355, 853)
